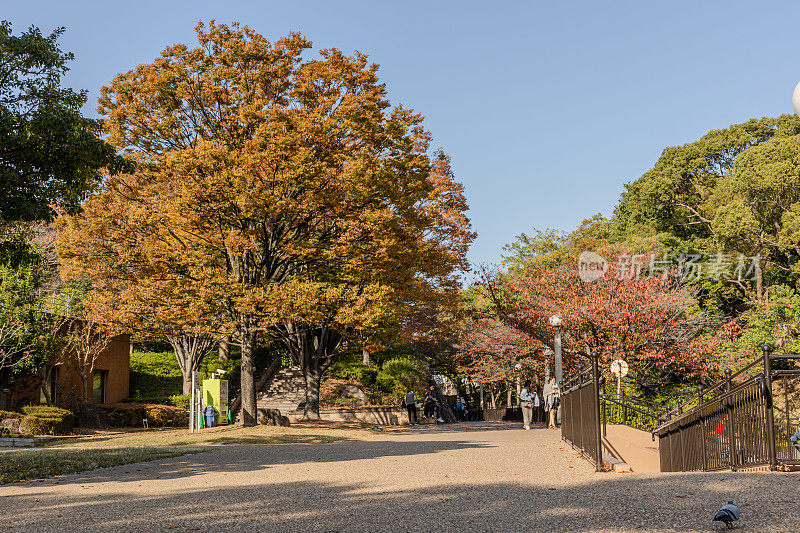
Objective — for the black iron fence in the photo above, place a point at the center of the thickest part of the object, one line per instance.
(580, 414)
(629, 411)
(746, 422)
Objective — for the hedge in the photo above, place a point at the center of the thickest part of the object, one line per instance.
(9, 414)
(43, 420)
(132, 414)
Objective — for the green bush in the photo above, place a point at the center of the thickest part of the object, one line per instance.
(132, 414)
(43, 420)
(399, 375)
(385, 382)
(155, 375)
(344, 369)
(9, 414)
(180, 401)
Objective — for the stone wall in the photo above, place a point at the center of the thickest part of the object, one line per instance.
(386, 416)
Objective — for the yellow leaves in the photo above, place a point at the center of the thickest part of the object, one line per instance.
(268, 186)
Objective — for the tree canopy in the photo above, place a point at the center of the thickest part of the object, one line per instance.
(50, 155)
(282, 195)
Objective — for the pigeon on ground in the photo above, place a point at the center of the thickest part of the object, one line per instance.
(728, 513)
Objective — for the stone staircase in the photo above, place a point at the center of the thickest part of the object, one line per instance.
(284, 391)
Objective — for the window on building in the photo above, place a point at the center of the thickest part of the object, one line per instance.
(99, 387)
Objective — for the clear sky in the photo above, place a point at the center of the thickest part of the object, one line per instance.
(547, 107)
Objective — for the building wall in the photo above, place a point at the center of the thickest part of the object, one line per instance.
(115, 359)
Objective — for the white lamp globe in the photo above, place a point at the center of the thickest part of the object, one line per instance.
(796, 99)
(555, 320)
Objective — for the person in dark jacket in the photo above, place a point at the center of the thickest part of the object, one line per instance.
(411, 406)
(431, 404)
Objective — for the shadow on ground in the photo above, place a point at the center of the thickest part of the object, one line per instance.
(248, 459)
(665, 503)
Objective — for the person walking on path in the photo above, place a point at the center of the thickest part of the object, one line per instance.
(526, 403)
(411, 406)
(552, 397)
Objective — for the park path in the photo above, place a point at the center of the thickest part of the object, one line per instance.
(465, 477)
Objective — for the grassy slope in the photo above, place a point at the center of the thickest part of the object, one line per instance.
(213, 436)
(23, 465)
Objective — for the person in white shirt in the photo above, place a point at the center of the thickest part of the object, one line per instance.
(526, 401)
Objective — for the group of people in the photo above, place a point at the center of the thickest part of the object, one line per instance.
(430, 406)
(528, 397)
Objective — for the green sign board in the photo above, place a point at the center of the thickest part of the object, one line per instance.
(215, 392)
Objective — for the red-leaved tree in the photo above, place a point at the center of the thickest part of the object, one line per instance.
(651, 321)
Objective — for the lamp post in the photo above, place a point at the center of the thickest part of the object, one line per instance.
(555, 321)
(796, 99)
(548, 353)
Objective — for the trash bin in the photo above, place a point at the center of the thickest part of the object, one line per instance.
(210, 415)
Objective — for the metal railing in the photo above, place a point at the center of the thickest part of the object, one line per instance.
(580, 414)
(737, 427)
(629, 411)
(731, 424)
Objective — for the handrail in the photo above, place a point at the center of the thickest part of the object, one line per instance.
(680, 409)
(627, 406)
(237, 401)
(716, 399)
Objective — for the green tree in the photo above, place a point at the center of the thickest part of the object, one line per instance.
(49, 153)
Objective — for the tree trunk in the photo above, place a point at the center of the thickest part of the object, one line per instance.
(47, 372)
(84, 396)
(190, 350)
(187, 383)
(248, 389)
(225, 348)
(759, 281)
(508, 397)
(365, 356)
(313, 378)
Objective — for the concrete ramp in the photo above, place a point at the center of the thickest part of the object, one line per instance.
(632, 446)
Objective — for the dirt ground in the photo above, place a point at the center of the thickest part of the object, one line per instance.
(464, 477)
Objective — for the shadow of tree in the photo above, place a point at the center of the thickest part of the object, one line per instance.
(663, 503)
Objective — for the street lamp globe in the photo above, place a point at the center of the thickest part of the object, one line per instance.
(796, 99)
(555, 320)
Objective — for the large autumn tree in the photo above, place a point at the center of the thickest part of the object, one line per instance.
(285, 194)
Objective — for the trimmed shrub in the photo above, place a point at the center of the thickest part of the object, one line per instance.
(132, 414)
(181, 401)
(43, 420)
(154, 375)
(398, 376)
(45, 411)
(9, 414)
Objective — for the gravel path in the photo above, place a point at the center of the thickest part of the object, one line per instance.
(466, 477)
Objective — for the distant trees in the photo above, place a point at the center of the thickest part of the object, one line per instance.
(272, 195)
(735, 190)
(647, 320)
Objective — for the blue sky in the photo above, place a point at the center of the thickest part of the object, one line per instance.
(547, 108)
